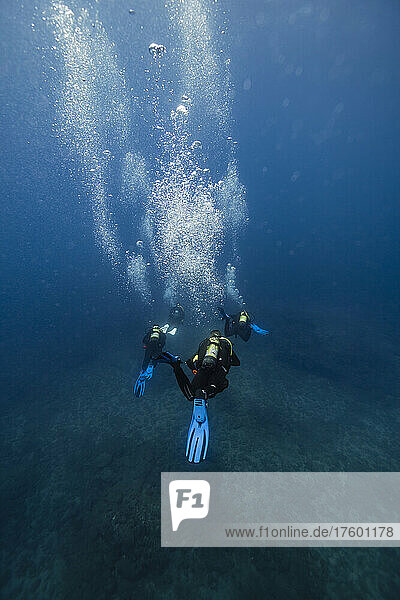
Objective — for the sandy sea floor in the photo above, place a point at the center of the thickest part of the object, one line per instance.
(80, 482)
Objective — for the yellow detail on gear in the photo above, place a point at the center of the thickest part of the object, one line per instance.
(155, 333)
(243, 317)
(212, 348)
(229, 342)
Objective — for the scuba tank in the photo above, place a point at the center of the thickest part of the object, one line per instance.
(155, 334)
(211, 355)
(243, 329)
(155, 340)
(243, 319)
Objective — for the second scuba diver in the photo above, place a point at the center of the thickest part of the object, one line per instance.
(153, 344)
(240, 324)
(175, 318)
(210, 366)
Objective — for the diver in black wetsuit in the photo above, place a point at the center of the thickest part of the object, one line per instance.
(240, 324)
(210, 366)
(176, 315)
(175, 318)
(153, 344)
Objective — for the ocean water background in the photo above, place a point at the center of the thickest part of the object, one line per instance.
(312, 102)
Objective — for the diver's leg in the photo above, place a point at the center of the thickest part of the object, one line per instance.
(181, 378)
(208, 383)
(146, 360)
(217, 383)
(200, 382)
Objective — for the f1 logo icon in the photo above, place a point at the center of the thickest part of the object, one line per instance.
(189, 499)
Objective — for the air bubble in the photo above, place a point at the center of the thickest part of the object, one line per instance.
(157, 50)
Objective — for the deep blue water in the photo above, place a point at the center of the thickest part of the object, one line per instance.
(313, 105)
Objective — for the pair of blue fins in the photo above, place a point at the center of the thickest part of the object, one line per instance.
(199, 433)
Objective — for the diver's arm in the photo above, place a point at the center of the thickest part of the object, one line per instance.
(192, 363)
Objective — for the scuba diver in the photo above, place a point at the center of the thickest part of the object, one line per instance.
(153, 343)
(175, 318)
(210, 366)
(240, 325)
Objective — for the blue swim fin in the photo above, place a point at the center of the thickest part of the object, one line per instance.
(198, 434)
(258, 329)
(148, 374)
(144, 376)
(140, 385)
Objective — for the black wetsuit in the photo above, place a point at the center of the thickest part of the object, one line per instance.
(153, 345)
(210, 380)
